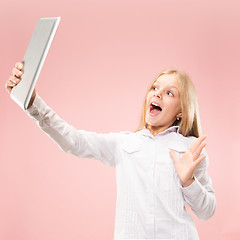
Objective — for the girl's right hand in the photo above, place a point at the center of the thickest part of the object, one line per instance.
(15, 78)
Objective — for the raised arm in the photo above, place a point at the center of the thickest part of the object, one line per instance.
(77, 142)
(200, 195)
(196, 184)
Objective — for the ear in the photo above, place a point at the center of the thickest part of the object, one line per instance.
(179, 115)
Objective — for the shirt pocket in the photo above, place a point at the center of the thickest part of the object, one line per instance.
(131, 152)
(179, 148)
(131, 147)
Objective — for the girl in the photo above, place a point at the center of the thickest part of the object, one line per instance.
(160, 168)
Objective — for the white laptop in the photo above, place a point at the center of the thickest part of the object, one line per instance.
(33, 59)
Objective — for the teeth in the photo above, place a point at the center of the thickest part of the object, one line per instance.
(155, 104)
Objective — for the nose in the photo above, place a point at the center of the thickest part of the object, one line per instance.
(158, 95)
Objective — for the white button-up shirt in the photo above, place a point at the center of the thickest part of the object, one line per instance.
(150, 198)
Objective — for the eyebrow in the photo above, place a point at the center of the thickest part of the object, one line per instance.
(167, 86)
(173, 87)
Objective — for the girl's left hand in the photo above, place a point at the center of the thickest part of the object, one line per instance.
(186, 165)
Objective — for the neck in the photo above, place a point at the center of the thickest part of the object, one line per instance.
(157, 129)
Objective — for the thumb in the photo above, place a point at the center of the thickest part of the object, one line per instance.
(173, 155)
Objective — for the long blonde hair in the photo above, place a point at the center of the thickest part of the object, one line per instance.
(189, 124)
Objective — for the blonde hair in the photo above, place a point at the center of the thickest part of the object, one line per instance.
(189, 124)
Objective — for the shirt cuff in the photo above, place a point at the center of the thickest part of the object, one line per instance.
(33, 110)
(192, 190)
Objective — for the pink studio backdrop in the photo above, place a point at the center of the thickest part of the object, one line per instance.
(103, 57)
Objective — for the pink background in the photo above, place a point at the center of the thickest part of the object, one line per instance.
(103, 57)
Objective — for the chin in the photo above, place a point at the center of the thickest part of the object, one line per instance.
(149, 123)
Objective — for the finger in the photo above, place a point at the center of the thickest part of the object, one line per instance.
(8, 88)
(198, 151)
(14, 79)
(16, 72)
(11, 83)
(196, 143)
(19, 65)
(173, 155)
(199, 160)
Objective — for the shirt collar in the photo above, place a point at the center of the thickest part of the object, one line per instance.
(146, 131)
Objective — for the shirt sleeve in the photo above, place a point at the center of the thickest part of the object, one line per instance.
(200, 195)
(80, 143)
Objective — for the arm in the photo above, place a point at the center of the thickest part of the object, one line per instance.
(80, 143)
(200, 195)
(191, 168)
(77, 142)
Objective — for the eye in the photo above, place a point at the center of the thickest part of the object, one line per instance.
(154, 88)
(170, 94)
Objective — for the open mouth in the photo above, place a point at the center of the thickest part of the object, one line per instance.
(155, 109)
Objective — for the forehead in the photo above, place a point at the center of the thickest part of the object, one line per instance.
(168, 80)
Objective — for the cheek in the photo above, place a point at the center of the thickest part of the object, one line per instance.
(178, 104)
(149, 97)
(174, 105)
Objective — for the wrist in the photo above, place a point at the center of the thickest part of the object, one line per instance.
(188, 182)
